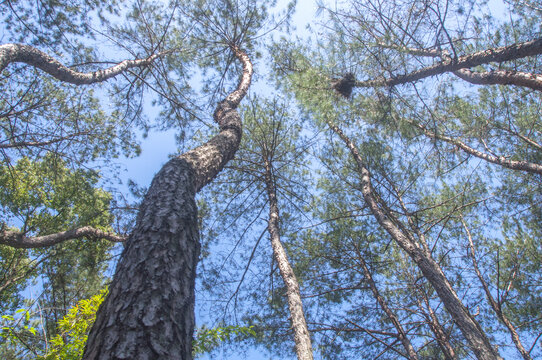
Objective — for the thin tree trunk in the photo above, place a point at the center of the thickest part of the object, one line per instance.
(436, 326)
(470, 328)
(384, 305)
(302, 339)
(149, 311)
(494, 304)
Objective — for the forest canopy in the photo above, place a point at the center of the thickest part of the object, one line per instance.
(351, 179)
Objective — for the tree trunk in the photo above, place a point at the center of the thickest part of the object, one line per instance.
(470, 328)
(436, 327)
(302, 339)
(401, 333)
(497, 307)
(149, 311)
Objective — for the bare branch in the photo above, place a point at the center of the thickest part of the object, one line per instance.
(21, 144)
(401, 333)
(371, 334)
(501, 77)
(12, 53)
(435, 325)
(494, 305)
(501, 54)
(18, 239)
(499, 160)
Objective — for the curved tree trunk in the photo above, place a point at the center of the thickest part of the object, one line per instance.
(149, 311)
(470, 328)
(302, 339)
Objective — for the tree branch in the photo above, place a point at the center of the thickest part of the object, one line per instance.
(499, 160)
(18, 239)
(401, 333)
(501, 54)
(21, 144)
(12, 53)
(494, 305)
(501, 77)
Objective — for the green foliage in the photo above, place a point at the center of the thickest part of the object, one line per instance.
(21, 331)
(427, 184)
(46, 197)
(52, 132)
(16, 266)
(73, 330)
(208, 339)
(16, 327)
(51, 22)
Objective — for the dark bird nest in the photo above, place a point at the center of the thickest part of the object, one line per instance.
(344, 85)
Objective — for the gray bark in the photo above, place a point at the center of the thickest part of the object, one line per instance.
(149, 311)
(302, 339)
(11, 53)
(501, 54)
(18, 239)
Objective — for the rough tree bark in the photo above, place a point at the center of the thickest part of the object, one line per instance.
(10, 53)
(18, 239)
(469, 327)
(149, 311)
(457, 65)
(302, 339)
